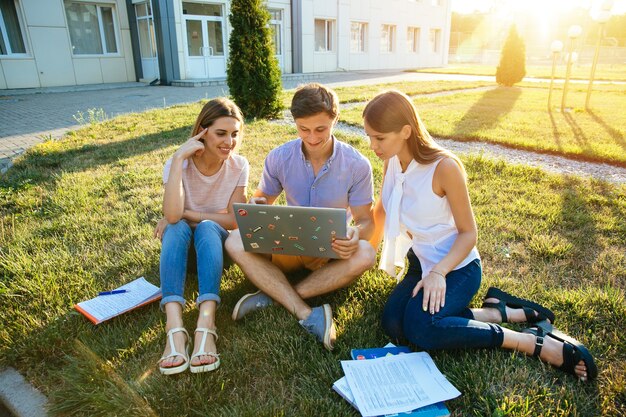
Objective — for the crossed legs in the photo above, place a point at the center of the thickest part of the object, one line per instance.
(271, 280)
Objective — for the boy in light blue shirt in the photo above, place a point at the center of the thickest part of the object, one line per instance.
(315, 170)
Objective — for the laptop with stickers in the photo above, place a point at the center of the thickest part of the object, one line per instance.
(290, 230)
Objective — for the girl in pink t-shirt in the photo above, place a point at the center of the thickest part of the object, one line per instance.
(202, 180)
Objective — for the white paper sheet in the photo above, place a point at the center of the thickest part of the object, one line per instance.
(396, 384)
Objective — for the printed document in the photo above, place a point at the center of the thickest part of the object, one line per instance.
(396, 384)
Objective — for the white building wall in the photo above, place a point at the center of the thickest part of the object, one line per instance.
(49, 60)
(400, 13)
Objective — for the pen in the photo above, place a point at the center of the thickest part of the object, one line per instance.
(112, 292)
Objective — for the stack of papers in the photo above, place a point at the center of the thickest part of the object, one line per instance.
(120, 300)
(407, 383)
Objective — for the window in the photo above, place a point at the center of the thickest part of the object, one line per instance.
(145, 26)
(276, 24)
(358, 34)
(11, 36)
(324, 34)
(413, 39)
(387, 38)
(202, 9)
(92, 28)
(434, 40)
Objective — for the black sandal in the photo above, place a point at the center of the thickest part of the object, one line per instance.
(534, 312)
(573, 350)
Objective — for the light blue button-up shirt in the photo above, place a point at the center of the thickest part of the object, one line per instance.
(344, 181)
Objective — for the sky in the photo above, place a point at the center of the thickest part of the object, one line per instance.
(539, 6)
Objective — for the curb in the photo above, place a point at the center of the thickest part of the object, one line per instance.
(21, 398)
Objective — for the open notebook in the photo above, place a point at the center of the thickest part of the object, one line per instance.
(290, 230)
(104, 307)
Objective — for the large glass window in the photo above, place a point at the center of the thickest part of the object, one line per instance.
(413, 39)
(11, 36)
(435, 42)
(276, 26)
(358, 35)
(324, 34)
(92, 28)
(387, 38)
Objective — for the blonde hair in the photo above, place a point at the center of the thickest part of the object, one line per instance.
(390, 111)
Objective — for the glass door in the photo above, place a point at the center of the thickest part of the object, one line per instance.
(204, 33)
(147, 41)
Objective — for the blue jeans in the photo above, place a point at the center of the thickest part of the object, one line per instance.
(453, 327)
(208, 240)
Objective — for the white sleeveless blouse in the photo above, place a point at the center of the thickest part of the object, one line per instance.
(412, 206)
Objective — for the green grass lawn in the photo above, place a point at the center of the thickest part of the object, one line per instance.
(367, 92)
(77, 217)
(518, 117)
(608, 72)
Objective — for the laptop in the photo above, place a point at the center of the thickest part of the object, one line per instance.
(290, 230)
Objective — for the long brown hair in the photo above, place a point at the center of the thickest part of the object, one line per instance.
(213, 110)
(390, 111)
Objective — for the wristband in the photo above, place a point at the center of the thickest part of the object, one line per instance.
(438, 273)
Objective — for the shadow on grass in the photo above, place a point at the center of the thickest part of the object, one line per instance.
(614, 133)
(579, 133)
(39, 165)
(487, 111)
(556, 135)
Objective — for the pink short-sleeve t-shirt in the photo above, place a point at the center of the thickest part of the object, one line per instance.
(211, 194)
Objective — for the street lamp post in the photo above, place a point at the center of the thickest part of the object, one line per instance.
(556, 47)
(602, 17)
(573, 33)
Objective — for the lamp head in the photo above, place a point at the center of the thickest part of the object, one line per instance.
(574, 32)
(556, 46)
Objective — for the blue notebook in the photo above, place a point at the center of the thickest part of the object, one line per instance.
(373, 353)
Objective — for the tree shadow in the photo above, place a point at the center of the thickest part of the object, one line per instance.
(487, 111)
(614, 133)
(41, 166)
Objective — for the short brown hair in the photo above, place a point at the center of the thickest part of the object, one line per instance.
(311, 99)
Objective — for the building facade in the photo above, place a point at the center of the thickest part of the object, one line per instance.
(45, 43)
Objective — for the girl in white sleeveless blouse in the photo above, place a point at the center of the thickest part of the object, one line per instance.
(427, 217)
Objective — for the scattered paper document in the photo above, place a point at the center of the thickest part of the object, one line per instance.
(396, 384)
(104, 307)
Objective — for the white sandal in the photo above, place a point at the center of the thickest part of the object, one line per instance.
(173, 352)
(210, 366)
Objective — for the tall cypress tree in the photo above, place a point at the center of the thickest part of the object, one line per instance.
(512, 68)
(253, 74)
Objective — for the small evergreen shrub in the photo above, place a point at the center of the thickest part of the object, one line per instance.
(512, 68)
(253, 75)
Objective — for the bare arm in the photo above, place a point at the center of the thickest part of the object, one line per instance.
(450, 181)
(362, 229)
(379, 215)
(259, 197)
(174, 195)
(226, 220)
